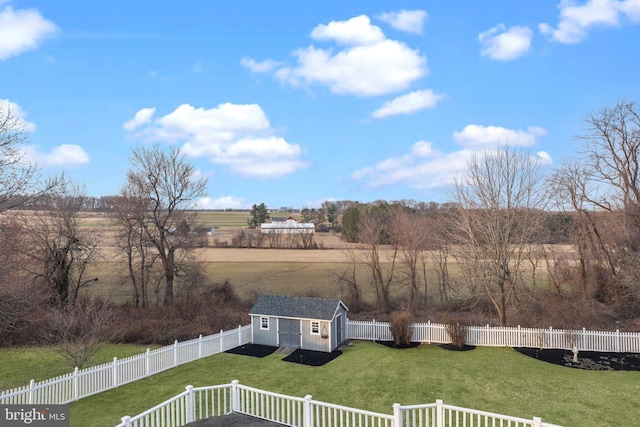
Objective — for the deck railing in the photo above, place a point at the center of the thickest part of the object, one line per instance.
(199, 403)
(582, 340)
(86, 382)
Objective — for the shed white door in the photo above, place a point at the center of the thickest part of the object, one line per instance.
(289, 332)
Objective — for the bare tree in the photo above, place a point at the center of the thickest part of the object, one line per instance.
(19, 176)
(612, 157)
(128, 214)
(573, 188)
(411, 232)
(77, 330)
(61, 252)
(169, 187)
(498, 207)
(378, 254)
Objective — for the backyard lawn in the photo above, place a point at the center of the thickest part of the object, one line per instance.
(373, 377)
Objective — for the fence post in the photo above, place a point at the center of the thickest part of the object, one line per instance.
(439, 413)
(221, 344)
(537, 422)
(549, 342)
(126, 420)
(519, 337)
(175, 353)
(200, 347)
(115, 372)
(617, 340)
(307, 415)
(191, 405)
(32, 384)
(429, 331)
(239, 335)
(235, 396)
(75, 384)
(147, 362)
(397, 415)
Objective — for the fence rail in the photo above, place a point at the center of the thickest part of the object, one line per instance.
(581, 340)
(188, 406)
(86, 382)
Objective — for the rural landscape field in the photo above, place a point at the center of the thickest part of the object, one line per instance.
(367, 202)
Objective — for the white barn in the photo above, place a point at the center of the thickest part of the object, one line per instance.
(287, 226)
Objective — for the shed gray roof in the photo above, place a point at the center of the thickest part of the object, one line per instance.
(296, 307)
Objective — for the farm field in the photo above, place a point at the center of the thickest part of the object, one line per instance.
(373, 377)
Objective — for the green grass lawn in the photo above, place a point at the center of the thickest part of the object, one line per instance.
(373, 377)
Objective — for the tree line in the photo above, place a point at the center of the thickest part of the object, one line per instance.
(497, 232)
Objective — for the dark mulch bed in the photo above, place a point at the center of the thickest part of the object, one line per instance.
(590, 360)
(392, 344)
(456, 348)
(312, 358)
(255, 350)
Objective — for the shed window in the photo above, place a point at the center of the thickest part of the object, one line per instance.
(315, 328)
(264, 323)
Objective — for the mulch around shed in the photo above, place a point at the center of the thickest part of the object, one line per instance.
(254, 350)
(312, 358)
(304, 357)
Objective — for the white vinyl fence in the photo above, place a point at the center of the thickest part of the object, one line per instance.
(582, 340)
(203, 402)
(86, 382)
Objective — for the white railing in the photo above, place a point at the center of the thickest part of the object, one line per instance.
(582, 340)
(86, 382)
(189, 406)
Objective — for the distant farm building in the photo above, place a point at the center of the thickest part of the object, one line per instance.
(287, 225)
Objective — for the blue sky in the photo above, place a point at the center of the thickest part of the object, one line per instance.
(294, 103)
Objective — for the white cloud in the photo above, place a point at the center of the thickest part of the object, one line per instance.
(378, 69)
(410, 21)
(22, 30)
(407, 104)
(423, 168)
(238, 136)
(65, 155)
(543, 157)
(142, 117)
(355, 31)
(225, 202)
(259, 67)
(427, 168)
(504, 44)
(18, 114)
(577, 19)
(483, 136)
(367, 64)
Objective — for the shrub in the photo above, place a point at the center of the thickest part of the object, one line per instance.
(401, 326)
(457, 331)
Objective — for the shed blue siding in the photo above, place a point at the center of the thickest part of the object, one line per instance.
(330, 314)
(264, 336)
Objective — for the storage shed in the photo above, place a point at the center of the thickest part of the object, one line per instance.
(307, 323)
